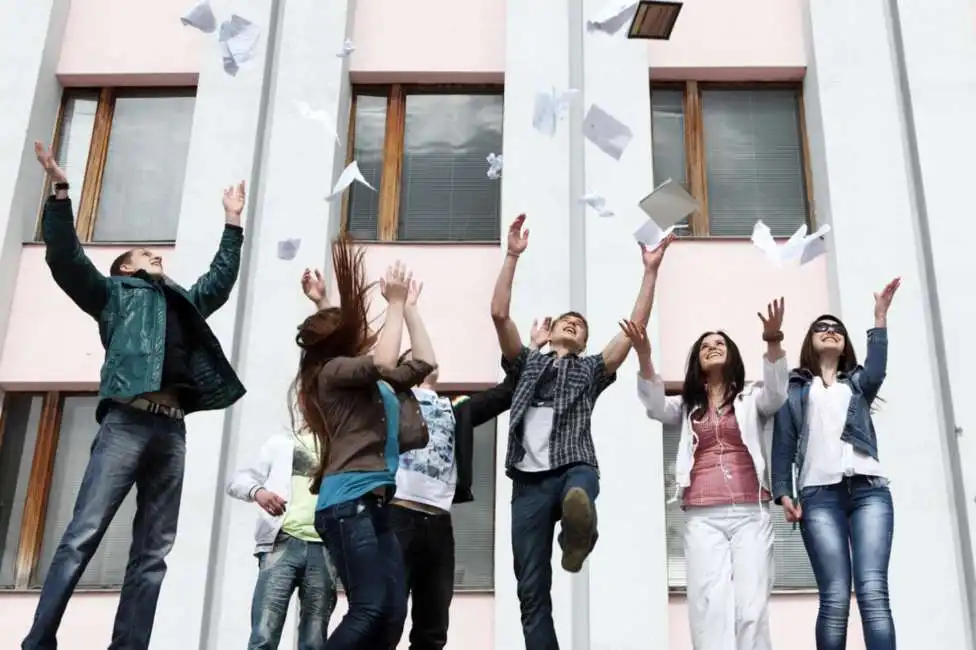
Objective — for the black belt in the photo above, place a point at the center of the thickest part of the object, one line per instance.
(143, 404)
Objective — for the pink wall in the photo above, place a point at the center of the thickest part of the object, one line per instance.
(117, 42)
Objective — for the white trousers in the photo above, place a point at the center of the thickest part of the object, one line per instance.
(729, 555)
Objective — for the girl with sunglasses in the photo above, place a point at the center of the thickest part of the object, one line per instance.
(824, 443)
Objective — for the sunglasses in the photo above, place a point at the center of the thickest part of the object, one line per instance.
(825, 327)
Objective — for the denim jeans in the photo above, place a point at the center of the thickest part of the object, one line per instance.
(132, 448)
(427, 542)
(845, 526)
(367, 559)
(539, 500)
(292, 564)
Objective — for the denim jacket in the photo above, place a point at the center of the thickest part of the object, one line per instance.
(791, 429)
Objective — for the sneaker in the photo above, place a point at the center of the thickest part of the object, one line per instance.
(577, 529)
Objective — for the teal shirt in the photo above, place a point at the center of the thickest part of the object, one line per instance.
(348, 486)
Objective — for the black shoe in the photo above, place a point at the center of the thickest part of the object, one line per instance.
(577, 529)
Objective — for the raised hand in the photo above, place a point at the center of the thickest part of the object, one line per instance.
(540, 332)
(637, 336)
(313, 286)
(652, 258)
(773, 320)
(234, 203)
(518, 239)
(395, 285)
(46, 157)
(413, 292)
(882, 302)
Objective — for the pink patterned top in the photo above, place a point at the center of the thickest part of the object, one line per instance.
(723, 472)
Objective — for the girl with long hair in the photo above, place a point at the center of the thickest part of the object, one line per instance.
(720, 475)
(825, 444)
(355, 398)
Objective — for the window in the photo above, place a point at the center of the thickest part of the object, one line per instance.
(425, 152)
(124, 153)
(792, 568)
(739, 150)
(45, 441)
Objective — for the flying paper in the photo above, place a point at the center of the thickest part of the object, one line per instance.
(349, 175)
(288, 248)
(347, 49)
(494, 166)
(794, 249)
(651, 235)
(201, 17)
(598, 203)
(614, 16)
(321, 116)
(606, 132)
(551, 107)
(814, 249)
(668, 204)
(238, 40)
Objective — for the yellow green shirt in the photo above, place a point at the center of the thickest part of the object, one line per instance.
(299, 519)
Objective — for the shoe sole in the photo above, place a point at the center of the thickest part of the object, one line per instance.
(577, 529)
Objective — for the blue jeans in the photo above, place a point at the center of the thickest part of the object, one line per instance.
(291, 564)
(132, 448)
(850, 525)
(539, 500)
(367, 558)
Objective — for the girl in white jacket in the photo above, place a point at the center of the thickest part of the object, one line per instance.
(721, 477)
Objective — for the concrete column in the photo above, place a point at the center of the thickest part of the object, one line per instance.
(30, 96)
(224, 143)
(535, 182)
(628, 594)
(864, 186)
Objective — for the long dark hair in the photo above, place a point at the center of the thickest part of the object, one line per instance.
(341, 331)
(694, 391)
(810, 359)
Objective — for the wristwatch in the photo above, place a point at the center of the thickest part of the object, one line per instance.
(61, 185)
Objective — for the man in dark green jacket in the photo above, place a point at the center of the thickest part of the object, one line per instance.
(162, 361)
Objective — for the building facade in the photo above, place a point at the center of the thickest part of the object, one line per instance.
(853, 114)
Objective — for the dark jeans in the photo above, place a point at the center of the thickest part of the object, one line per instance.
(849, 525)
(427, 542)
(539, 500)
(367, 558)
(292, 564)
(132, 448)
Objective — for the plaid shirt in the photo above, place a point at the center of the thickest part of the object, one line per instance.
(579, 381)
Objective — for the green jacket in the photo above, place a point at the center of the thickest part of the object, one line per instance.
(131, 316)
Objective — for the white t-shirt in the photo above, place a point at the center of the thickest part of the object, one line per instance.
(536, 432)
(829, 459)
(429, 475)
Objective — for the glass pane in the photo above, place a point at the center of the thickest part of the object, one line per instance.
(445, 192)
(474, 522)
(77, 435)
(142, 186)
(370, 134)
(22, 415)
(668, 135)
(754, 161)
(74, 141)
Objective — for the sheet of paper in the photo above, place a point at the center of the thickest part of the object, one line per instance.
(814, 249)
(238, 40)
(550, 108)
(349, 175)
(598, 203)
(651, 235)
(608, 133)
(201, 17)
(288, 249)
(347, 49)
(321, 116)
(494, 166)
(799, 248)
(613, 16)
(668, 204)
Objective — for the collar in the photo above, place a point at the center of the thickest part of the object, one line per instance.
(425, 395)
(804, 376)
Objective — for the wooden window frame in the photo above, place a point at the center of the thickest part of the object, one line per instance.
(696, 167)
(388, 210)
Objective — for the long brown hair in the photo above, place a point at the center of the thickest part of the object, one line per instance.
(810, 359)
(344, 330)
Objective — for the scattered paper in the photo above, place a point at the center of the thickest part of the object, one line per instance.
(321, 116)
(651, 235)
(614, 16)
(607, 132)
(201, 17)
(794, 249)
(238, 40)
(288, 248)
(347, 49)
(814, 249)
(494, 166)
(598, 203)
(349, 175)
(551, 107)
(668, 204)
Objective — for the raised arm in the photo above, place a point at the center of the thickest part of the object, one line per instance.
(70, 267)
(616, 351)
(876, 361)
(212, 289)
(421, 347)
(771, 393)
(501, 299)
(651, 390)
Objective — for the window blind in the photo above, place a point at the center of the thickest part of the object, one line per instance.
(668, 142)
(474, 522)
(17, 442)
(370, 135)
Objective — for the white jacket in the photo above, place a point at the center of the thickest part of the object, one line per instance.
(272, 471)
(754, 408)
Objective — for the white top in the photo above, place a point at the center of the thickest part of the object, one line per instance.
(429, 475)
(537, 429)
(829, 459)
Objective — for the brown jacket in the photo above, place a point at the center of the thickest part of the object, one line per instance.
(356, 417)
